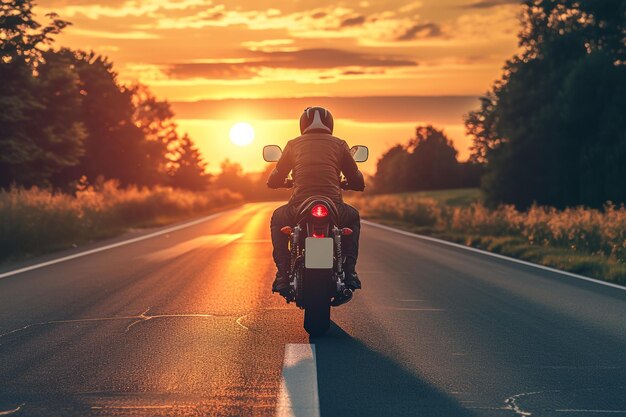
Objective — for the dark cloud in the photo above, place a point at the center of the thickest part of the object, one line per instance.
(319, 15)
(352, 21)
(215, 16)
(362, 72)
(420, 31)
(486, 4)
(322, 58)
(329, 58)
(438, 110)
(218, 70)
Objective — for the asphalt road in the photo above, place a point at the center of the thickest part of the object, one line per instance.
(184, 323)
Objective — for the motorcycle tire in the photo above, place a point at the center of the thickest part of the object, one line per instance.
(317, 319)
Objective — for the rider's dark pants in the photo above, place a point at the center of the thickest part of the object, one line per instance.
(285, 216)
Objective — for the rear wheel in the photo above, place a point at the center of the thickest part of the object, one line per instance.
(317, 319)
(316, 289)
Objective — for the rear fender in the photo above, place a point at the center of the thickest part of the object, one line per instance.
(317, 287)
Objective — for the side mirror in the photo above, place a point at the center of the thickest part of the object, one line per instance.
(360, 153)
(272, 153)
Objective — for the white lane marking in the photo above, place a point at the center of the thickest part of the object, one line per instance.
(238, 321)
(298, 394)
(495, 255)
(15, 410)
(114, 245)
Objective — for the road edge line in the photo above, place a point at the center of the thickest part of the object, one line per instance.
(494, 255)
(111, 246)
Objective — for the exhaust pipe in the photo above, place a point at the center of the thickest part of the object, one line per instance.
(343, 297)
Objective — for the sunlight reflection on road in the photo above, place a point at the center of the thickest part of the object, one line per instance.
(210, 241)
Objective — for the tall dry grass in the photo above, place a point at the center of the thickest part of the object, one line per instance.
(578, 237)
(36, 221)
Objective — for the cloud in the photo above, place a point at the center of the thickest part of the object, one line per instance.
(486, 4)
(304, 60)
(268, 44)
(127, 8)
(420, 31)
(499, 23)
(352, 21)
(438, 110)
(113, 35)
(411, 7)
(324, 22)
(331, 22)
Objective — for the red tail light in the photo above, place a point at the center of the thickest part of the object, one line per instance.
(318, 235)
(319, 210)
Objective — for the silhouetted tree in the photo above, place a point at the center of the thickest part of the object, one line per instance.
(431, 163)
(233, 178)
(553, 130)
(187, 168)
(427, 162)
(38, 127)
(116, 147)
(390, 171)
(65, 116)
(156, 119)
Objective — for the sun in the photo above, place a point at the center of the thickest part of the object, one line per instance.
(242, 134)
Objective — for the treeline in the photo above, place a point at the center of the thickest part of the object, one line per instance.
(66, 119)
(427, 161)
(552, 130)
(252, 186)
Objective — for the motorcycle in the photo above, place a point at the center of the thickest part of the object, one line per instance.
(316, 270)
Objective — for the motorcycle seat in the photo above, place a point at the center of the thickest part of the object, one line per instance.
(307, 205)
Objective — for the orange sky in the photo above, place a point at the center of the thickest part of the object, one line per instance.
(220, 62)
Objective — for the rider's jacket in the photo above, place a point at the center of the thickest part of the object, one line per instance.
(316, 161)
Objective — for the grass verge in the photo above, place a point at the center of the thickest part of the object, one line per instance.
(580, 240)
(34, 221)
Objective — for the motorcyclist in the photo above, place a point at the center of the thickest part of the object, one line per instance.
(316, 160)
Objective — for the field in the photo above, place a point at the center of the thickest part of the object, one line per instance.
(37, 221)
(581, 240)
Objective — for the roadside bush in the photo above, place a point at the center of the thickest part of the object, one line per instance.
(36, 221)
(588, 240)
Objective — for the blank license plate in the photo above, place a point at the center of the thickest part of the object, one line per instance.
(318, 253)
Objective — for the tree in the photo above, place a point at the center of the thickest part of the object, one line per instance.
(56, 127)
(65, 116)
(233, 178)
(390, 175)
(431, 163)
(552, 129)
(40, 134)
(427, 162)
(187, 169)
(156, 120)
(115, 146)
(23, 39)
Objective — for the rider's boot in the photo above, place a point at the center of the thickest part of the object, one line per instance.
(352, 280)
(281, 282)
